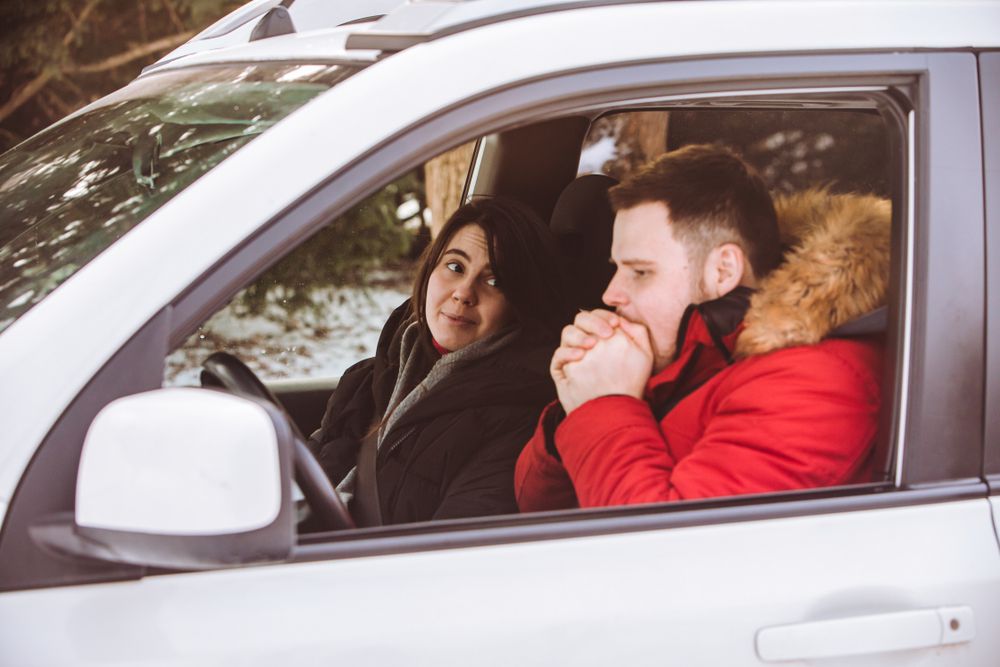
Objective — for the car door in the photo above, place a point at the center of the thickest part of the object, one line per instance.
(901, 572)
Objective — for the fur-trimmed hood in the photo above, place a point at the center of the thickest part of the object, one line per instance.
(835, 270)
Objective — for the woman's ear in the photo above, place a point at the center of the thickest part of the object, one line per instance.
(724, 271)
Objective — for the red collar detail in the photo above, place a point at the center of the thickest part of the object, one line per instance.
(441, 349)
(686, 370)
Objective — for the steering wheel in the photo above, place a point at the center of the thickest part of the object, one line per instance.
(223, 370)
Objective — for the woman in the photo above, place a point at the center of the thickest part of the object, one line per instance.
(430, 428)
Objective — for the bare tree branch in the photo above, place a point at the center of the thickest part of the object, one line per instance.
(72, 85)
(174, 16)
(78, 23)
(142, 22)
(130, 55)
(48, 111)
(63, 108)
(8, 139)
(31, 88)
(26, 92)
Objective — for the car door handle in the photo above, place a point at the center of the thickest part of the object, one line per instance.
(857, 635)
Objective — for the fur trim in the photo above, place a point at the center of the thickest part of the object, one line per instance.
(836, 269)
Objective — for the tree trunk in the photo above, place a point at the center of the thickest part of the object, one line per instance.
(445, 179)
(647, 134)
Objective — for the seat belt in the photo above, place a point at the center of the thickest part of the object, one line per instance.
(365, 506)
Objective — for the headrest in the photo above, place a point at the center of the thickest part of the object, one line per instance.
(875, 322)
(582, 222)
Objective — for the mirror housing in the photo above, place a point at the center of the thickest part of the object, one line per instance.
(182, 478)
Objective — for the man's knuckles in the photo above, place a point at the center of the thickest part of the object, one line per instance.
(599, 323)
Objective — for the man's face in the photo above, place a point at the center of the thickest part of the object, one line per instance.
(654, 282)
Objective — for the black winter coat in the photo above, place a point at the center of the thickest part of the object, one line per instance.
(452, 454)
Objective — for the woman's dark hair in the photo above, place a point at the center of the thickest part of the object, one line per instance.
(523, 256)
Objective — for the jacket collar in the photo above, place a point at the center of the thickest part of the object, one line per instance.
(835, 271)
(833, 282)
(706, 340)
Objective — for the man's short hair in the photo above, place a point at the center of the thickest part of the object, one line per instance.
(714, 197)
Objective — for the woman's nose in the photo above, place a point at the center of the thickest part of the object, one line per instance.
(464, 293)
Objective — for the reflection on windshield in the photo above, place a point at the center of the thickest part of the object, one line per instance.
(71, 191)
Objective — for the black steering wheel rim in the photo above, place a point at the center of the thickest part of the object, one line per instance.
(225, 371)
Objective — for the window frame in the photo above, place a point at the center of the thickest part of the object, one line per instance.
(941, 80)
(989, 76)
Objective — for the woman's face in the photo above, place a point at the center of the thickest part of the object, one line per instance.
(464, 303)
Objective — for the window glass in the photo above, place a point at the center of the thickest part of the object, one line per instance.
(321, 308)
(71, 191)
(846, 150)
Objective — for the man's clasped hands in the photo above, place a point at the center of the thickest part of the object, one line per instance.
(601, 354)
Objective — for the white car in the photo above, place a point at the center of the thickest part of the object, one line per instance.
(125, 227)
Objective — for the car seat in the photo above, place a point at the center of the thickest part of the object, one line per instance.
(582, 221)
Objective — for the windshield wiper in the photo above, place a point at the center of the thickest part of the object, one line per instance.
(145, 156)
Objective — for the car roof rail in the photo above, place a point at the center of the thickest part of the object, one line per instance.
(419, 21)
(277, 21)
(236, 19)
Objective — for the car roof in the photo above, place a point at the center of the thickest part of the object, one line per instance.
(379, 25)
(360, 31)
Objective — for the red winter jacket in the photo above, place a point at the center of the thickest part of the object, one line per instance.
(793, 418)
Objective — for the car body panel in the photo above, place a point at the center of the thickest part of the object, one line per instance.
(516, 590)
(539, 603)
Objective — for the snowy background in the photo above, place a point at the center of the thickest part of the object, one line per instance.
(341, 328)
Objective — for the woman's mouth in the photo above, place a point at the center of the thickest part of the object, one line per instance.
(456, 319)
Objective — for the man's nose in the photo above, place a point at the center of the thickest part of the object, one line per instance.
(613, 295)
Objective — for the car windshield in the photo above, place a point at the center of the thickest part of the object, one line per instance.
(71, 191)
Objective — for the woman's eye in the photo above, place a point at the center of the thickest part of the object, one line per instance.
(453, 266)
(492, 282)
(639, 273)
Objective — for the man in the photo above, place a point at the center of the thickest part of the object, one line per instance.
(693, 389)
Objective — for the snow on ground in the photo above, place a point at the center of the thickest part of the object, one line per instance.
(318, 342)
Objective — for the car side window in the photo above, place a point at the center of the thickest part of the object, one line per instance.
(320, 309)
(836, 147)
(793, 149)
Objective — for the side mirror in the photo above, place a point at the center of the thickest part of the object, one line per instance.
(183, 479)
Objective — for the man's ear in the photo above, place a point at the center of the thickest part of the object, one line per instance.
(724, 270)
